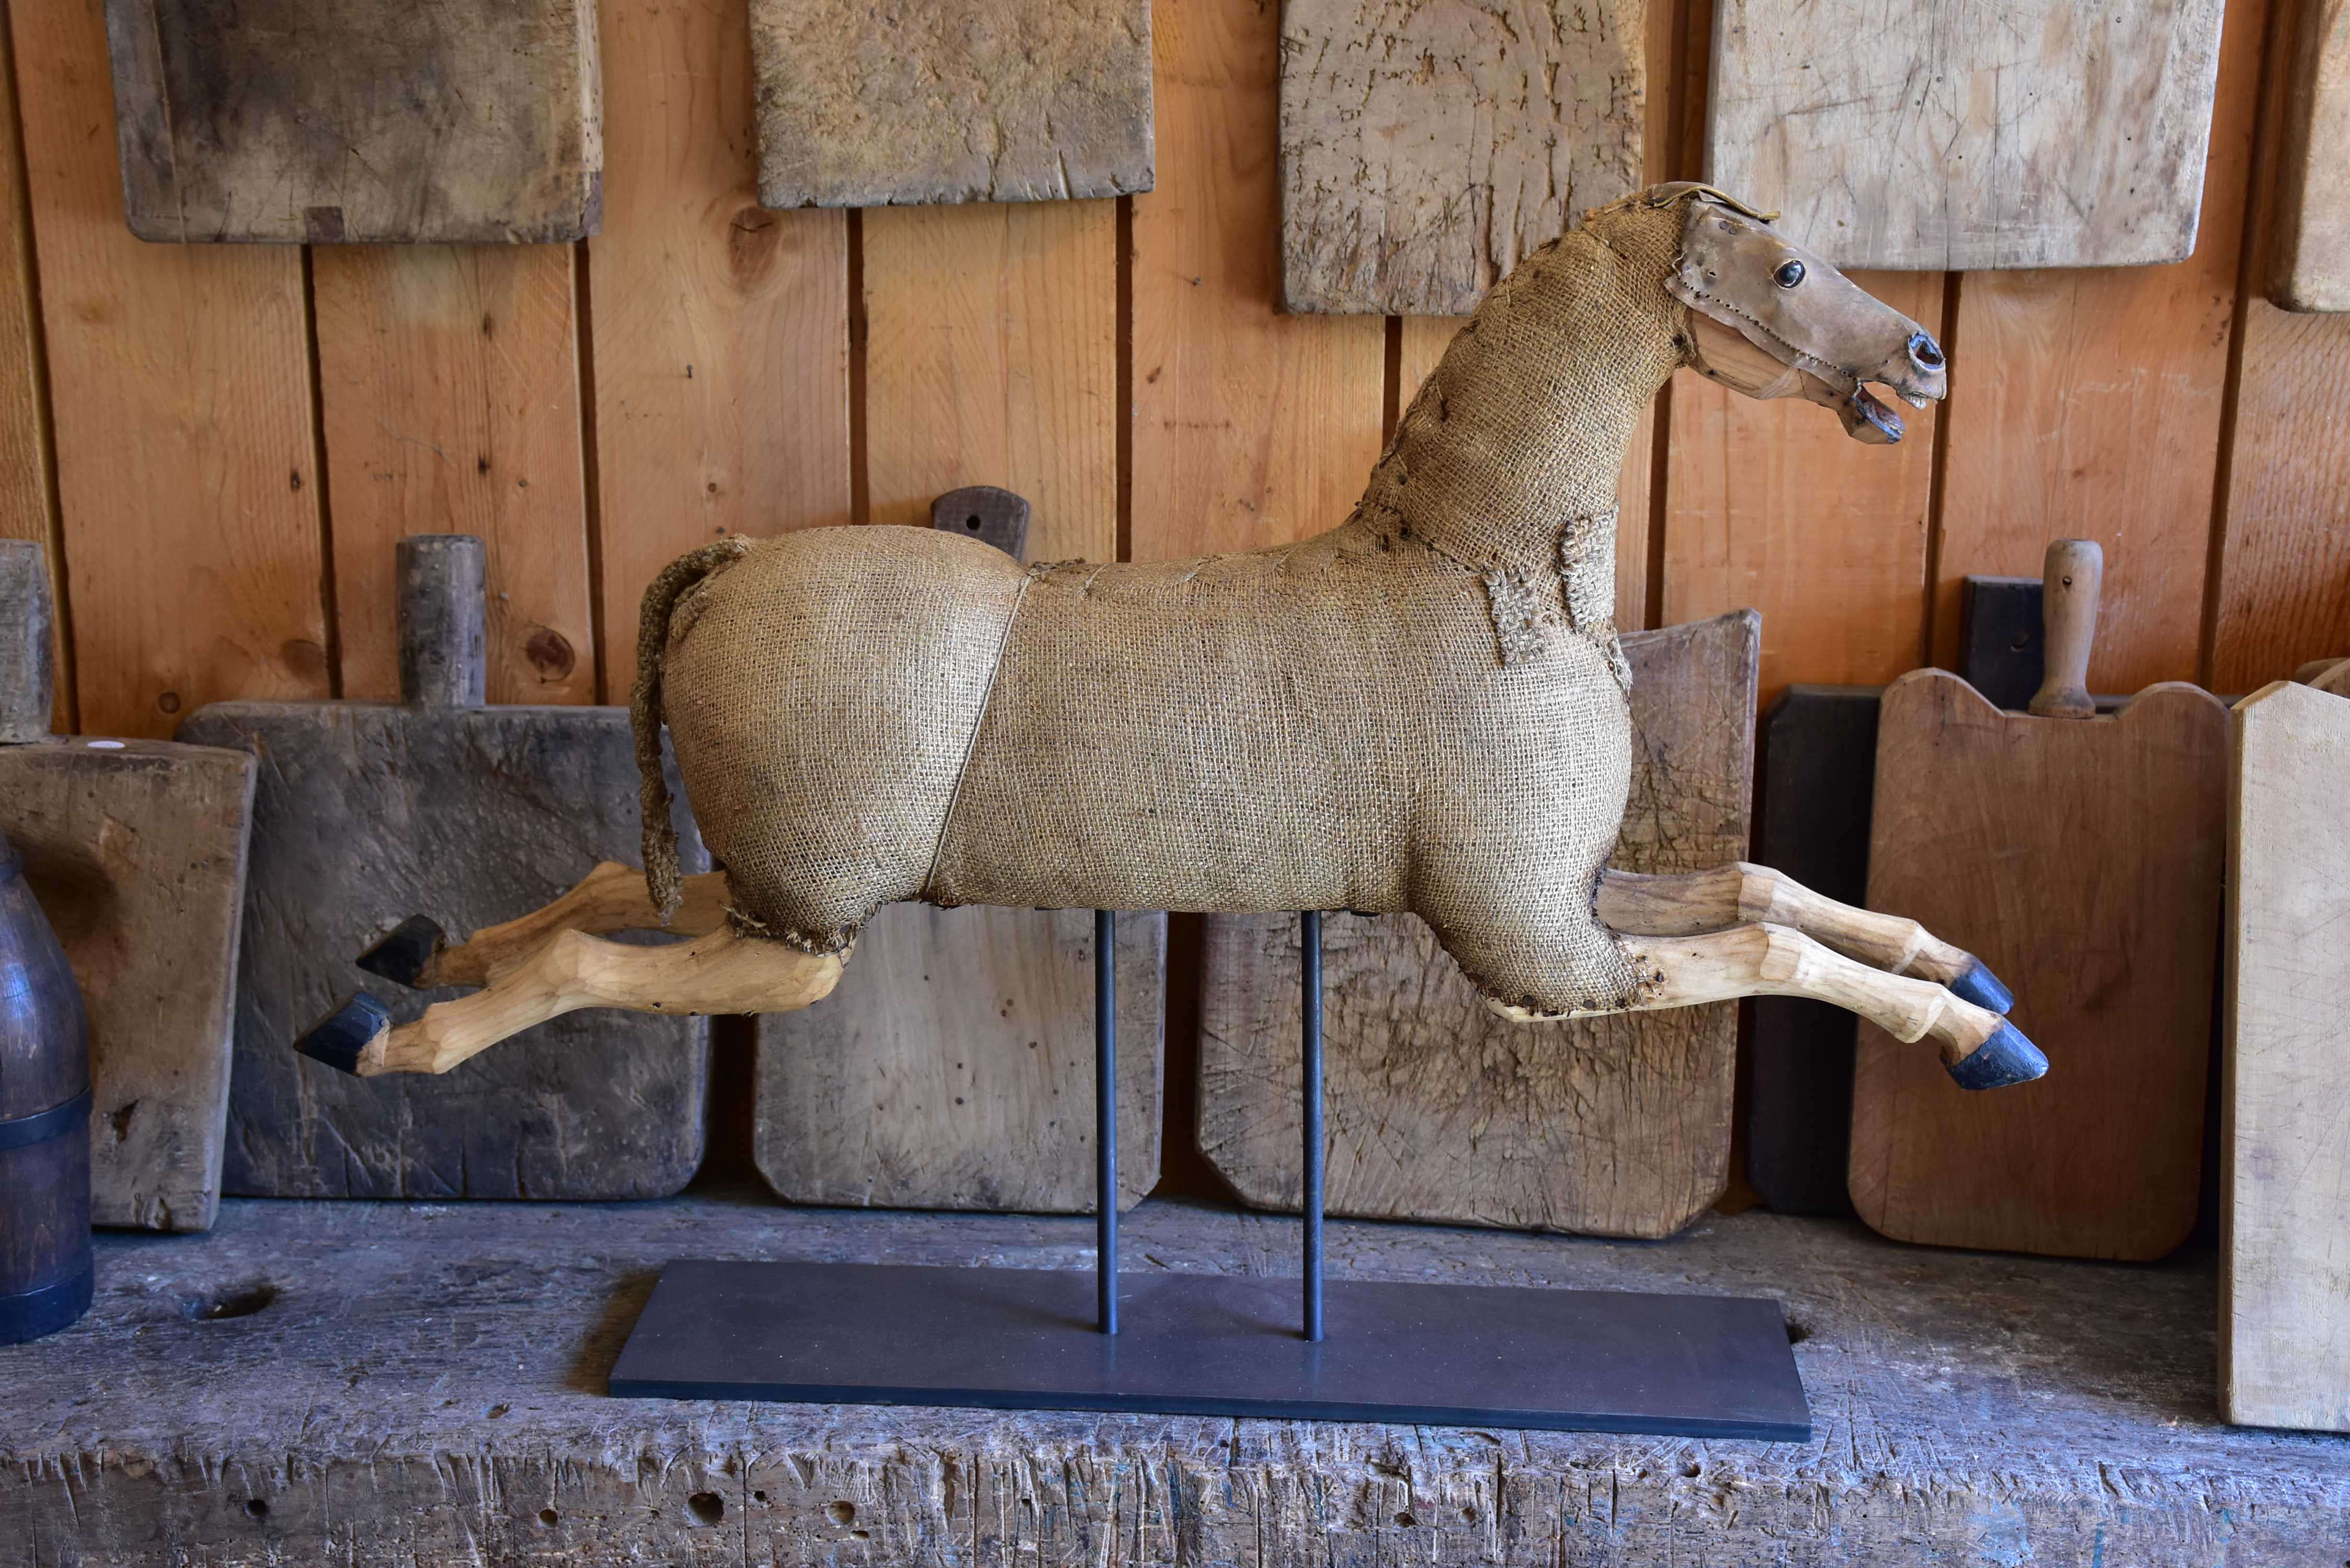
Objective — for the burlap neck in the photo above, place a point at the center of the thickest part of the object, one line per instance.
(1517, 436)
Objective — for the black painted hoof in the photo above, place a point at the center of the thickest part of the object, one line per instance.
(342, 1037)
(2007, 1057)
(401, 957)
(1978, 985)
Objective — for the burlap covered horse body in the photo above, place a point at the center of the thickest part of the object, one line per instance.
(1423, 708)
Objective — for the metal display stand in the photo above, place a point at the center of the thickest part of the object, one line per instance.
(1707, 1367)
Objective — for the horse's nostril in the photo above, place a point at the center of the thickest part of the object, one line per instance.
(1925, 353)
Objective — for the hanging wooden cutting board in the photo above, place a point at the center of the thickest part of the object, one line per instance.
(136, 851)
(322, 121)
(2309, 254)
(368, 813)
(2030, 133)
(2080, 859)
(2284, 1293)
(1439, 1110)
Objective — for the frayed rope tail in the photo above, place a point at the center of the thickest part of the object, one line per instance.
(676, 580)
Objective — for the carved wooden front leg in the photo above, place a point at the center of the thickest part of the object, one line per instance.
(720, 972)
(1741, 893)
(611, 897)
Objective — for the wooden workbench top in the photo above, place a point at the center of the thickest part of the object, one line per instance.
(421, 1384)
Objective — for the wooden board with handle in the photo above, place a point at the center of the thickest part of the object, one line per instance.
(135, 852)
(2284, 1292)
(1439, 1110)
(466, 122)
(2080, 858)
(2035, 134)
(368, 813)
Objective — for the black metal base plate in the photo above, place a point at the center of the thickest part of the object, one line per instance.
(1484, 1356)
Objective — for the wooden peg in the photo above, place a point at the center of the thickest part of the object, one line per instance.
(27, 675)
(2074, 570)
(443, 612)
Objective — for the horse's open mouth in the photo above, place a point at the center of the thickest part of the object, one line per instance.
(1868, 418)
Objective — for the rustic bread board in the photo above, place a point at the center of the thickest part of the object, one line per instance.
(2082, 860)
(2024, 133)
(1439, 1110)
(320, 121)
(2309, 247)
(953, 1066)
(368, 813)
(951, 100)
(1424, 149)
(2284, 1293)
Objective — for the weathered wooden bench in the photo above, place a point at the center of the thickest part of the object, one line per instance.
(422, 1384)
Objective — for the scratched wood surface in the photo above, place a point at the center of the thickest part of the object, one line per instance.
(463, 121)
(1425, 148)
(449, 391)
(953, 100)
(1988, 133)
(2284, 1298)
(1439, 1110)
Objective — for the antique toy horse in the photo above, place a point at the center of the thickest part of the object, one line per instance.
(1423, 708)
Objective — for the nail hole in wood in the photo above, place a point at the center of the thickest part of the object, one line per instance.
(243, 1301)
(707, 1507)
(843, 1512)
(547, 1517)
(255, 1509)
(971, 523)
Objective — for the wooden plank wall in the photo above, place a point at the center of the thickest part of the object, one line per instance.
(221, 444)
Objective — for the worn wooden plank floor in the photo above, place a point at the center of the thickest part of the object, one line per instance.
(421, 1384)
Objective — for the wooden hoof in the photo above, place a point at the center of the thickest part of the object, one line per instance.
(403, 956)
(1978, 985)
(342, 1037)
(2007, 1057)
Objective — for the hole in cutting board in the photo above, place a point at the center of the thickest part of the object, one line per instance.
(707, 1507)
(241, 1301)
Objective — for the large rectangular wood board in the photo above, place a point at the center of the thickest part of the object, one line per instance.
(322, 121)
(953, 1065)
(2285, 1288)
(1439, 1110)
(136, 850)
(951, 100)
(1425, 148)
(2082, 860)
(368, 813)
(1960, 137)
(2309, 246)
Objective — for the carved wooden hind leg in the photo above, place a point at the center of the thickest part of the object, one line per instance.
(1741, 894)
(611, 897)
(1981, 1049)
(718, 972)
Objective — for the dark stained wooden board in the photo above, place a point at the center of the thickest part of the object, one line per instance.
(1425, 148)
(1818, 763)
(953, 1065)
(424, 1384)
(368, 813)
(1439, 1110)
(2082, 860)
(951, 100)
(326, 121)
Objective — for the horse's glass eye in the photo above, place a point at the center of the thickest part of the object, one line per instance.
(1789, 275)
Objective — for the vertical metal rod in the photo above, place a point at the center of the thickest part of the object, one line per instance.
(1309, 933)
(1105, 1119)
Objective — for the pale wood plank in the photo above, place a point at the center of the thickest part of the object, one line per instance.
(2082, 860)
(991, 359)
(2087, 405)
(719, 330)
(449, 387)
(1251, 428)
(2309, 258)
(2284, 1296)
(180, 387)
(1772, 504)
(1424, 149)
(1986, 133)
(464, 121)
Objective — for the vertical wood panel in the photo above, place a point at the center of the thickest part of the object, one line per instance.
(2087, 404)
(450, 395)
(991, 359)
(1251, 428)
(1772, 504)
(181, 394)
(719, 330)
(27, 506)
